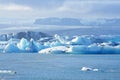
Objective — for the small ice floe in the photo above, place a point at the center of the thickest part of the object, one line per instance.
(95, 70)
(86, 69)
(54, 50)
(89, 69)
(7, 72)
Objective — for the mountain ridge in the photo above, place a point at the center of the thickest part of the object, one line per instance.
(26, 34)
(77, 22)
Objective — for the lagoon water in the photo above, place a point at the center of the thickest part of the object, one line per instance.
(59, 66)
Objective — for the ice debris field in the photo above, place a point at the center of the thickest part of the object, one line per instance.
(84, 44)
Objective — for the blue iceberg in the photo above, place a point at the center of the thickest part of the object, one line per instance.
(11, 48)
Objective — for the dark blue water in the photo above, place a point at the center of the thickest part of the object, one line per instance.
(59, 67)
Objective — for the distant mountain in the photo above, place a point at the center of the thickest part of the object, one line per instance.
(86, 31)
(28, 35)
(78, 22)
(112, 22)
(58, 21)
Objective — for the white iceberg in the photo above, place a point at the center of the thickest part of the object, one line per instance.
(56, 43)
(86, 69)
(7, 72)
(81, 40)
(89, 69)
(95, 70)
(55, 50)
(79, 49)
(62, 40)
(23, 44)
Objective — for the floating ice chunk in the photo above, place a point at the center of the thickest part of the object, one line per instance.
(56, 43)
(7, 72)
(89, 69)
(95, 70)
(80, 40)
(47, 44)
(33, 46)
(108, 49)
(60, 39)
(86, 69)
(79, 49)
(11, 48)
(94, 48)
(58, 49)
(40, 46)
(23, 44)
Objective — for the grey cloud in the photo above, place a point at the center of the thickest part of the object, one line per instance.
(35, 3)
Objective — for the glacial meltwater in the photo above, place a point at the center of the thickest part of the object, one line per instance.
(28, 66)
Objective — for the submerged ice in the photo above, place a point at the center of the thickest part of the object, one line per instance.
(85, 44)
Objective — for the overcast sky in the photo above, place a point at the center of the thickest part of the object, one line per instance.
(30, 9)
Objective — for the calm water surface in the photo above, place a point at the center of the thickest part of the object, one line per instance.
(59, 67)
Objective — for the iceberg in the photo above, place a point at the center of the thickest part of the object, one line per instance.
(89, 69)
(77, 49)
(86, 69)
(107, 49)
(81, 40)
(11, 48)
(95, 70)
(23, 44)
(7, 72)
(56, 43)
(62, 40)
(94, 49)
(85, 44)
(32, 47)
(54, 50)
(47, 44)
(40, 46)
(117, 49)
